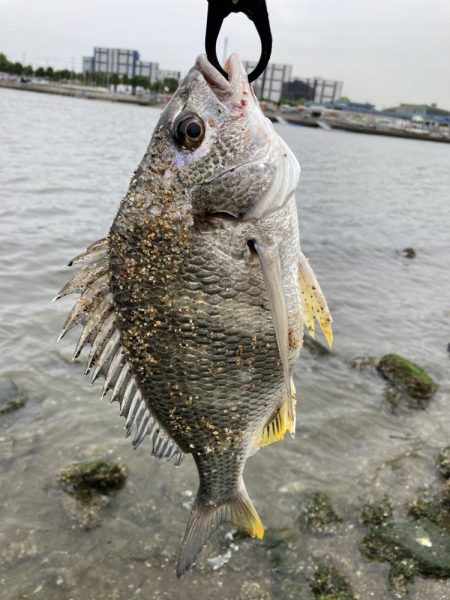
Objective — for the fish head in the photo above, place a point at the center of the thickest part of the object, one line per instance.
(223, 150)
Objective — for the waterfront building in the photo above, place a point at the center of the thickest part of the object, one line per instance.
(148, 69)
(117, 61)
(121, 61)
(313, 89)
(269, 85)
(167, 74)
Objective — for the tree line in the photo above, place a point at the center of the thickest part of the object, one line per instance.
(169, 84)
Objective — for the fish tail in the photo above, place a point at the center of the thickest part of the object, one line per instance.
(206, 517)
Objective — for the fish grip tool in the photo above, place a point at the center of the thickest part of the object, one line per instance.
(256, 11)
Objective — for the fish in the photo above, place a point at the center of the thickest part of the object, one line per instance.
(194, 304)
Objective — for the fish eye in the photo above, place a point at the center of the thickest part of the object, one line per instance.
(188, 130)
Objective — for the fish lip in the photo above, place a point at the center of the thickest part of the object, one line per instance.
(233, 89)
(212, 76)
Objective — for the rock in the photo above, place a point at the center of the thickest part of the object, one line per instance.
(376, 513)
(425, 507)
(409, 252)
(318, 514)
(363, 363)
(401, 575)
(445, 495)
(328, 584)
(315, 347)
(398, 399)
(86, 510)
(11, 396)
(94, 476)
(407, 375)
(444, 463)
(426, 544)
(252, 590)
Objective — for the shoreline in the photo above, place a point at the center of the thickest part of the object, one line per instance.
(276, 117)
(79, 92)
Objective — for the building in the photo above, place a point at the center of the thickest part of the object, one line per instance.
(314, 89)
(269, 85)
(148, 69)
(167, 74)
(297, 90)
(119, 61)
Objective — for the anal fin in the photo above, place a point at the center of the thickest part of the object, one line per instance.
(313, 300)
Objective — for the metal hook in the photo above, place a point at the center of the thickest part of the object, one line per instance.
(256, 11)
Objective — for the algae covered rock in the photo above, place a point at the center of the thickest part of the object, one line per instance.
(328, 584)
(409, 252)
(444, 463)
(425, 507)
(318, 514)
(405, 374)
(401, 575)
(377, 512)
(423, 542)
(94, 476)
(315, 347)
(11, 396)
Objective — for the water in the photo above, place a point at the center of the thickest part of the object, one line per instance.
(65, 163)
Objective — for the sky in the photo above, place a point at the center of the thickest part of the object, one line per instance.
(385, 51)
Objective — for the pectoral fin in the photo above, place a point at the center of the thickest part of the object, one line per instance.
(313, 301)
(269, 259)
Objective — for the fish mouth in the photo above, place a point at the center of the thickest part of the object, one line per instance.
(235, 88)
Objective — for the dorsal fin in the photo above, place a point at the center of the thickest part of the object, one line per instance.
(94, 310)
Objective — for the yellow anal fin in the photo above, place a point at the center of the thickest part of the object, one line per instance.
(282, 421)
(313, 300)
(245, 517)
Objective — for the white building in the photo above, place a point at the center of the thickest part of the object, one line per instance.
(148, 69)
(270, 83)
(167, 74)
(119, 61)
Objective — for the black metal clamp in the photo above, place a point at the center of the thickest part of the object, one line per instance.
(256, 11)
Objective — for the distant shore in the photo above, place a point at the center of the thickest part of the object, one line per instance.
(347, 125)
(75, 91)
(79, 92)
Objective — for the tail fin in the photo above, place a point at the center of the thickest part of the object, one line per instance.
(204, 520)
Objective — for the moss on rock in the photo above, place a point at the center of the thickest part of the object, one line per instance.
(11, 396)
(407, 375)
(315, 347)
(424, 507)
(328, 584)
(93, 476)
(423, 542)
(401, 575)
(444, 463)
(376, 513)
(318, 514)
(409, 252)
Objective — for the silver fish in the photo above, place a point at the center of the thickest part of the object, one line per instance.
(195, 303)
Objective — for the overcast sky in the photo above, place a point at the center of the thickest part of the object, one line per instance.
(385, 51)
